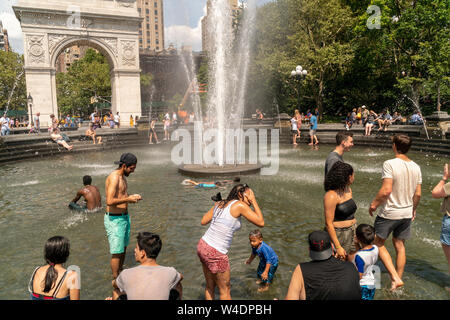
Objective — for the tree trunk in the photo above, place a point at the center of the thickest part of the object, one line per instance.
(438, 87)
(319, 100)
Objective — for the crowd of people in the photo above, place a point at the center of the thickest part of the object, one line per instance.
(343, 254)
(311, 119)
(370, 119)
(362, 116)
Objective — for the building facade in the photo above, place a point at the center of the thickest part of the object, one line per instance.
(151, 32)
(206, 30)
(69, 56)
(4, 42)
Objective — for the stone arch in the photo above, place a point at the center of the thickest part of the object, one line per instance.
(97, 44)
(111, 27)
(110, 53)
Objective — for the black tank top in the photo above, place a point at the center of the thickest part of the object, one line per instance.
(345, 211)
(331, 279)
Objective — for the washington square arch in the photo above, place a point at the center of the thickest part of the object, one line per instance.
(110, 26)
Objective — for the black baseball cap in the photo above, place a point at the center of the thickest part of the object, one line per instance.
(127, 158)
(319, 245)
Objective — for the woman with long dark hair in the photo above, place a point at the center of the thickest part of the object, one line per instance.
(225, 218)
(340, 208)
(52, 281)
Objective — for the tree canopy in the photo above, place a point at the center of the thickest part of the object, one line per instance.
(12, 81)
(85, 78)
(371, 52)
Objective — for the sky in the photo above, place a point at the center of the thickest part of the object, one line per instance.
(182, 20)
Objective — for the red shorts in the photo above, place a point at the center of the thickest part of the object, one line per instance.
(214, 260)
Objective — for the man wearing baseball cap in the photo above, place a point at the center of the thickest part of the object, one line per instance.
(325, 277)
(117, 219)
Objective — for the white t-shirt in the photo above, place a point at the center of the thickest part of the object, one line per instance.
(116, 118)
(294, 124)
(4, 122)
(364, 262)
(406, 177)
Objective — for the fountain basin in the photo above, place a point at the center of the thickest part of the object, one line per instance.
(198, 170)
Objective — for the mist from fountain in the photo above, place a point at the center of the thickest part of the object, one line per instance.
(150, 114)
(228, 71)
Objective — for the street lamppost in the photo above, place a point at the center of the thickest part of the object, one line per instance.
(299, 73)
(30, 104)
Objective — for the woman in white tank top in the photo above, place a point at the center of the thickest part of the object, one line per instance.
(212, 249)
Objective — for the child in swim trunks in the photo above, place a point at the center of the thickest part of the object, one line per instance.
(268, 260)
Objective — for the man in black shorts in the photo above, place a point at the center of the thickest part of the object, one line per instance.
(397, 199)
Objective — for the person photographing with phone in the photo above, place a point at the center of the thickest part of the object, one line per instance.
(117, 219)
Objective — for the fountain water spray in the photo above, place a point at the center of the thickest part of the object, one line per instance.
(150, 110)
(215, 149)
(228, 66)
(420, 111)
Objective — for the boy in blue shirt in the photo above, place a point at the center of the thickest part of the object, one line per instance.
(268, 260)
(313, 130)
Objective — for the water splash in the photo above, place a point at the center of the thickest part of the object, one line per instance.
(150, 109)
(420, 111)
(28, 183)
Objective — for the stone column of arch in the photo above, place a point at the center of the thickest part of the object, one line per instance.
(50, 26)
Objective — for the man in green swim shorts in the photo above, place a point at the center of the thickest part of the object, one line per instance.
(117, 219)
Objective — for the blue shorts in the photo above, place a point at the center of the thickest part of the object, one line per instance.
(445, 232)
(205, 185)
(118, 232)
(367, 293)
(272, 270)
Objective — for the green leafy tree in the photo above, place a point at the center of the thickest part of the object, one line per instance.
(413, 40)
(315, 34)
(12, 81)
(175, 101)
(202, 79)
(87, 77)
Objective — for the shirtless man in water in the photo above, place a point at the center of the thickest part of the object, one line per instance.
(90, 194)
(117, 220)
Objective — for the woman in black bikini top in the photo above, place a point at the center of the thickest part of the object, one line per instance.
(340, 208)
(345, 210)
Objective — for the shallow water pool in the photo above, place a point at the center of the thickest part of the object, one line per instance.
(35, 196)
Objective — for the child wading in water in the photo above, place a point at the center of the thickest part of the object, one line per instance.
(365, 259)
(268, 262)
